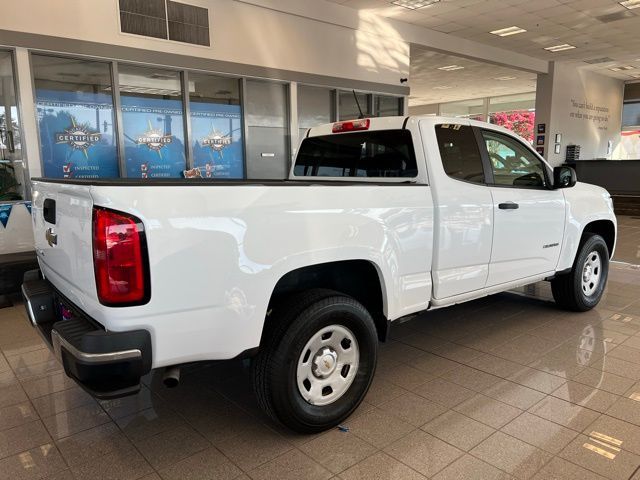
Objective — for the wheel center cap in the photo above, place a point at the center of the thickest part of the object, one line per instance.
(325, 362)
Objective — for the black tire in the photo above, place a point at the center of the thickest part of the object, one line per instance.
(567, 289)
(292, 322)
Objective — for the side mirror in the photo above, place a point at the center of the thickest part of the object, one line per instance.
(564, 177)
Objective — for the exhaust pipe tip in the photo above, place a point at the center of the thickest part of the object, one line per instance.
(171, 377)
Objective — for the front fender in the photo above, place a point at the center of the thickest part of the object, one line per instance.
(586, 203)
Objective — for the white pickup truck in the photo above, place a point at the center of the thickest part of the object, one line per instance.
(380, 218)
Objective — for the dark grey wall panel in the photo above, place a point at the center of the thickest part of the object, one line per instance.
(188, 23)
(143, 17)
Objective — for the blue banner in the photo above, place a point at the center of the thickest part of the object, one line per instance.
(153, 137)
(28, 205)
(216, 131)
(76, 134)
(5, 213)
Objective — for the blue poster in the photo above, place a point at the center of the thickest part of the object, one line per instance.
(76, 134)
(216, 131)
(5, 213)
(153, 137)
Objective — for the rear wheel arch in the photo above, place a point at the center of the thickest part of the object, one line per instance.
(359, 279)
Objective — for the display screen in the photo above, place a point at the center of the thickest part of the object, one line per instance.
(216, 131)
(153, 137)
(76, 134)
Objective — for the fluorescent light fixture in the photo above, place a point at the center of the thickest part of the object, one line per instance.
(442, 87)
(630, 4)
(414, 4)
(450, 68)
(504, 79)
(619, 68)
(560, 48)
(505, 32)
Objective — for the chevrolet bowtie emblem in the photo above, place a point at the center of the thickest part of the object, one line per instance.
(51, 236)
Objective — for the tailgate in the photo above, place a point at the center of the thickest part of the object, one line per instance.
(62, 216)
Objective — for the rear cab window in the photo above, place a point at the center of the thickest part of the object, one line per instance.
(367, 154)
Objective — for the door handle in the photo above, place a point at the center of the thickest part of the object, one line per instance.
(508, 206)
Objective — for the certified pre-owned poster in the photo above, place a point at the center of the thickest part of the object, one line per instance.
(76, 134)
(153, 137)
(217, 140)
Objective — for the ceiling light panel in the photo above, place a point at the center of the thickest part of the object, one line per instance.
(630, 4)
(560, 48)
(622, 67)
(442, 87)
(505, 32)
(450, 68)
(504, 79)
(414, 4)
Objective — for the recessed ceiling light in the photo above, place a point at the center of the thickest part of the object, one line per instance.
(630, 4)
(560, 48)
(503, 79)
(595, 61)
(449, 68)
(442, 87)
(621, 67)
(414, 4)
(505, 32)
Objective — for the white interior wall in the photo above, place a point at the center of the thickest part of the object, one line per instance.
(240, 32)
(583, 106)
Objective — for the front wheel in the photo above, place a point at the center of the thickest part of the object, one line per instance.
(316, 361)
(582, 288)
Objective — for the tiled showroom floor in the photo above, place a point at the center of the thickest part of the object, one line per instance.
(508, 386)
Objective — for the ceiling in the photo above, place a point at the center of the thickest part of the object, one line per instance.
(475, 80)
(601, 30)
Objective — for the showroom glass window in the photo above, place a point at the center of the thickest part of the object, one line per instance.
(216, 126)
(512, 163)
(387, 106)
(12, 178)
(631, 115)
(267, 115)
(460, 153)
(152, 122)
(74, 108)
(348, 107)
(515, 113)
(471, 109)
(315, 107)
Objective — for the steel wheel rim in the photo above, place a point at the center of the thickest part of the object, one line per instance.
(591, 273)
(327, 365)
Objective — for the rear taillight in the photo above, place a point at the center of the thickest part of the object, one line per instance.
(351, 125)
(119, 258)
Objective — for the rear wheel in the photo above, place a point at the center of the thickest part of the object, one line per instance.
(582, 288)
(316, 361)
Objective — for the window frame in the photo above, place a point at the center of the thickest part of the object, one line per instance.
(484, 152)
(26, 174)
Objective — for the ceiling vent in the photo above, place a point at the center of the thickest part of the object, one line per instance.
(595, 61)
(166, 19)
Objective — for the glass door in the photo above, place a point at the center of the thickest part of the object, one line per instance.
(12, 174)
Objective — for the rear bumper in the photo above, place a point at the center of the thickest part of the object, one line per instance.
(106, 364)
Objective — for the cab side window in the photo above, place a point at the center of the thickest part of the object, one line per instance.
(512, 163)
(460, 153)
